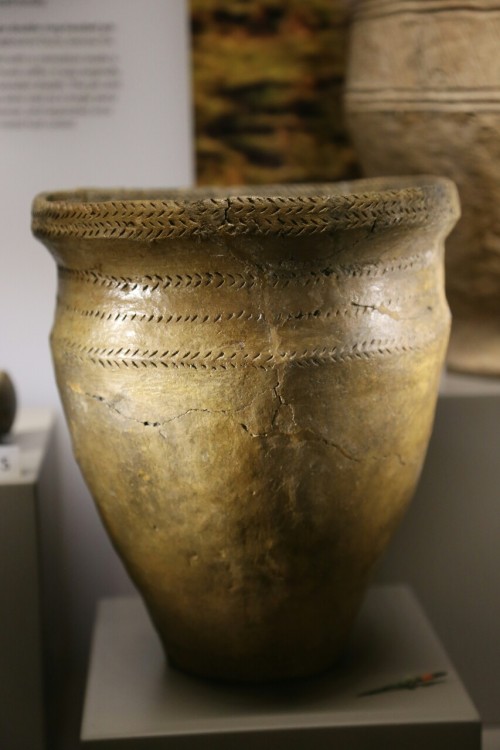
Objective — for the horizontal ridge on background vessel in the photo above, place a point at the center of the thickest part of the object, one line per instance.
(379, 8)
(452, 99)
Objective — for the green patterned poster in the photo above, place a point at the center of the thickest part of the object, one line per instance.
(268, 83)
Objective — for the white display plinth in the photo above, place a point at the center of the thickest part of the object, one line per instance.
(135, 700)
(21, 691)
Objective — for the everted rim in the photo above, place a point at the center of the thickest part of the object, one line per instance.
(276, 210)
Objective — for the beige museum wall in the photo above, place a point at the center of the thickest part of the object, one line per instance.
(142, 151)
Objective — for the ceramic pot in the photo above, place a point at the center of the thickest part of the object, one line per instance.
(428, 101)
(250, 378)
(7, 403)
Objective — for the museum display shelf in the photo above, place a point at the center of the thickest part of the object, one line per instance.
(24, 453)
(447, 548)
(381, 695)
(458, 384)
(491, 738)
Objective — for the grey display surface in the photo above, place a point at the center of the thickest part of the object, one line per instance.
(21, 691)
(447, 548)
(134, 700)
(491, 738)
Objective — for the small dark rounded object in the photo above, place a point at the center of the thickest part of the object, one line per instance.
(8, 403)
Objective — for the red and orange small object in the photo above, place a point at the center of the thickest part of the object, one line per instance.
(409, 683)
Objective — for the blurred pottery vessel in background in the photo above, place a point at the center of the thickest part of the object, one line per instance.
(250, 378)
(423, 96)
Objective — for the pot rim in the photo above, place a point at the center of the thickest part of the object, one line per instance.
(276, 210)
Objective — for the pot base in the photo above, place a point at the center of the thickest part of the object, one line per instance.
(305, 640)
(256, 676)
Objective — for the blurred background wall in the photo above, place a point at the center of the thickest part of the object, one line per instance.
(144, 140)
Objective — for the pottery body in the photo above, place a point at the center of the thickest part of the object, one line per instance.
(250, 383)
(423, 96)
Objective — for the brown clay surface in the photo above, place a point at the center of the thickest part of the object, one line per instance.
(250, 380)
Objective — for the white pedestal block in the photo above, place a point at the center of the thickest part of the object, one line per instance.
(136, 701)
(21, 693)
